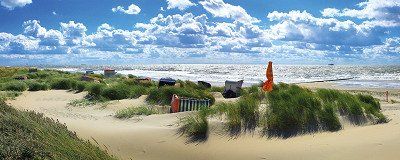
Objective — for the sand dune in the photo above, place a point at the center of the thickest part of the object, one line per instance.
(155, 136)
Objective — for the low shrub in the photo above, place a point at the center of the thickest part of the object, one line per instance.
(95, 89)
(80, 86)
(37, 86)
(15, 86)
(116, 92)
(63, 83)
(137, 91)
(132, 111)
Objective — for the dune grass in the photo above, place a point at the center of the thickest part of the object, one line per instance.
(291, 110)
(196, 126)
(28, 135)
(5, 95)
(37, 86)
(63, 83)
(14, 86)
(133, 111)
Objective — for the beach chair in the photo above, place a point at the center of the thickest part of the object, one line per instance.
(232, 89)
(183, 104)
(166, 81)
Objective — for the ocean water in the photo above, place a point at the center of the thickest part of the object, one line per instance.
(216, 74)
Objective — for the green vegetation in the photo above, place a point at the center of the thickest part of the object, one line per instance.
(15, 86)
(86, 102)
(287, 110)
(80, 86)
(5, 95)
(37, 86)
(196, 126)
(132, 111)
(63, 83)
(28, 135)
(290, 110)
(163, 95)
(114, 88)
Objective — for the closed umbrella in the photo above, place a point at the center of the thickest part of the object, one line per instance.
(267, 86)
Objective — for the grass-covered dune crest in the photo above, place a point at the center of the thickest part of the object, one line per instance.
(287, 111)
(29, 135)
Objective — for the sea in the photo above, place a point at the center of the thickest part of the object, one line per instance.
(359, 76)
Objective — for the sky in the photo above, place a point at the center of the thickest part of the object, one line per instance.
(119, 32)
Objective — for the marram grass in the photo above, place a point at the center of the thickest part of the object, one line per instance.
(291, 110)
(29, 135)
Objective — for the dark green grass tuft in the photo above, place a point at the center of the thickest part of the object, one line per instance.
(63, 83)
(196, 126)
(28, 135)
(80, 86)
(37, 86)
(293, 110)
(15, 86)
(95, 90)
(116, 92)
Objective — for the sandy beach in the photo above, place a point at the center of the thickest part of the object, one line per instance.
(156, 137)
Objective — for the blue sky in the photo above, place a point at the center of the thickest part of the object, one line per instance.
(207, 31)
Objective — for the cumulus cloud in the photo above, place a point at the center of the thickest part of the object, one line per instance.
(390, 46)
(47, 38)
(11, 4)
(132, 9)
(302, 26)
(380, 11)
(109, 39)
(370, 9)
(294, 35)
(18, 44)
(73, 32)
(180, 4)
(218, 8)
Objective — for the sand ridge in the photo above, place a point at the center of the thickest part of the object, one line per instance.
(156, 137)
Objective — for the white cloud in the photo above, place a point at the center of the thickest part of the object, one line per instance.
(33, 28)
(302, 26)
(390, 46)
(109, 39)
(18, 44)
(11, 4)
(47, 38)
(73, 32)
(218, 8)
(180, 4)
(370, 9)
(380, 11)
(132, 9)
(330, 12)
(54, 13)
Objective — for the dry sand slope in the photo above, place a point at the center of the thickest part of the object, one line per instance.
(155, 136)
